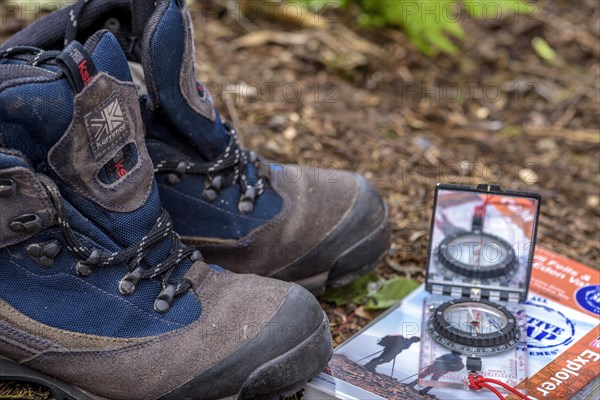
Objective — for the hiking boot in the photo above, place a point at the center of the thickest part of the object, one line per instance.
(98, 297)
(312, 226)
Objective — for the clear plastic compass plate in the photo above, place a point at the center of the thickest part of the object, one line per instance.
(480, 257)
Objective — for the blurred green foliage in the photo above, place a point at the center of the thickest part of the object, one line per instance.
(430, 24)
(543, 49)
(371, 291)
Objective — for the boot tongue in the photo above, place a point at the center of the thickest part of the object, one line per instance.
(168, 61)
(102, 156)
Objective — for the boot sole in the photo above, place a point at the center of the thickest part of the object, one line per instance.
(280, 377)
(359, 259)
(12, 371)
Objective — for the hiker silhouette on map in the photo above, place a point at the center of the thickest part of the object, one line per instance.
(392, 346)
(451, 362)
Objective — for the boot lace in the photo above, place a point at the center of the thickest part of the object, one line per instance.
(32, 55)
(225, 170)
(133, 256)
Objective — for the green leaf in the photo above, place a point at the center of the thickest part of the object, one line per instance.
(352, 293)
(543, 49)
(371, 291)
(390, 293)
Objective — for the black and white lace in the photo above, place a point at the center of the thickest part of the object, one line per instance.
(31, 55)
(133, 256)
(225, 170)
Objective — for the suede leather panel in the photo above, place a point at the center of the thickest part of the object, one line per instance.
(160, 7)
(17, 321)
(15, 350)
(30, 198)
(76, 162)
(235, 309)
(313, 206)
(187, 80)
(299, 318)
(197, 273)
(19, 345)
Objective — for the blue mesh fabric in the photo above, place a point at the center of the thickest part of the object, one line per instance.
(221, 218)
(109, 57)
(167, 49)
(10, 161)
(32, 118)
(176, 121)
(60, 298)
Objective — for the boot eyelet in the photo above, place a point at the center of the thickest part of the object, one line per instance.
(8, 188)
(83, 269)
(210, 194)
(247, 201)
(44, 253)
(129, 282)
(246, 206)
(252, 157)
(113, 25)
(196, 256)
(213, 188)
(181, 168)
(175, 177)
(27, 223)
(164, 299)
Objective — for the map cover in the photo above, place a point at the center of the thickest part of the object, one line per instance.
(563, 307)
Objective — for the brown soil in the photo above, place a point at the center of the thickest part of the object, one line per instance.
(367, 100)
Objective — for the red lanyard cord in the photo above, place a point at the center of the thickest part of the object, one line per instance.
(478, 382)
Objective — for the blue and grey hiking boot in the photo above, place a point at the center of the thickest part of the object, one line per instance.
(98, 297)
(314, 227)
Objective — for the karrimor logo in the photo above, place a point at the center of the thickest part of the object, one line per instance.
(110, 121)
(106, 126)
(81, 62)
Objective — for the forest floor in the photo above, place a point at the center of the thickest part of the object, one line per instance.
(365, 99)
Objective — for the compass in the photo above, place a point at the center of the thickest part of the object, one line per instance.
(477, 255)
(475, 327)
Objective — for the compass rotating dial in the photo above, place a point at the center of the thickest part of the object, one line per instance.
(474, 327)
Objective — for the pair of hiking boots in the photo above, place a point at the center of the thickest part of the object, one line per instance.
(99, 298)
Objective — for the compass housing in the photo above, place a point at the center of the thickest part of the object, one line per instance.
(484, 334)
